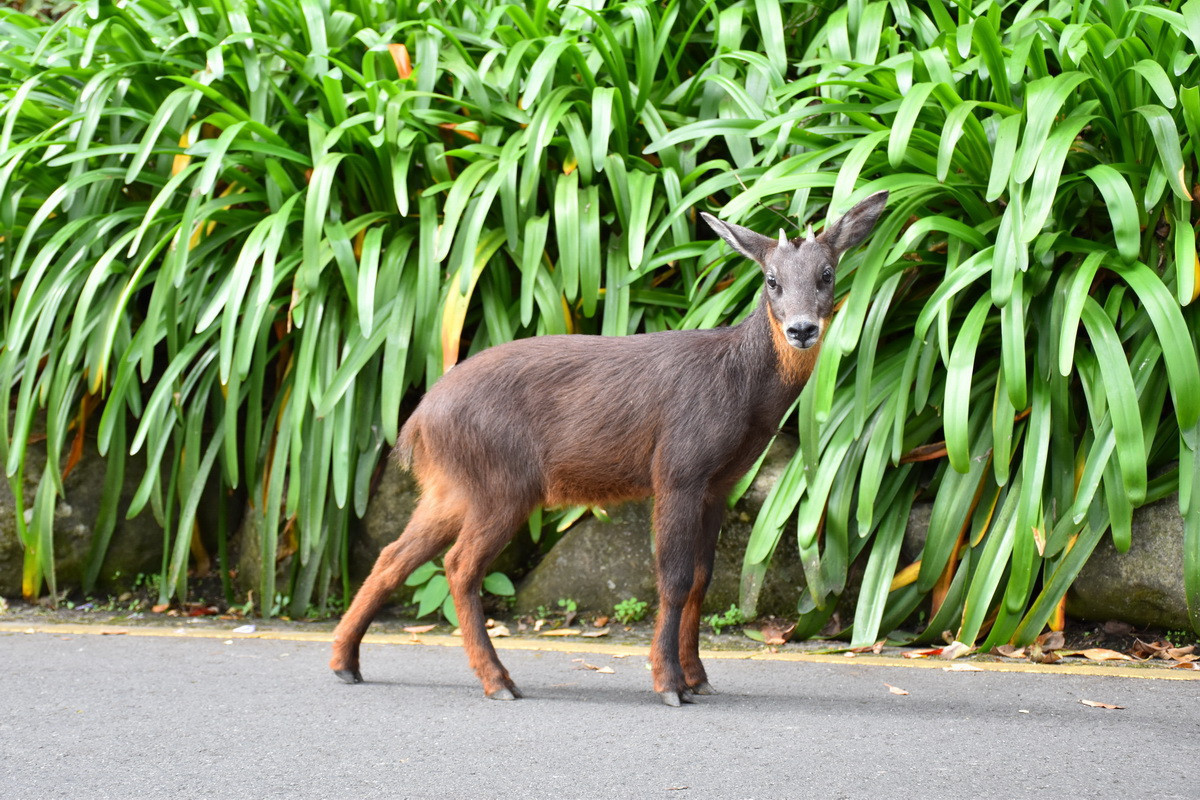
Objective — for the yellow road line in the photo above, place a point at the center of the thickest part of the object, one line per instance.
(579, 645)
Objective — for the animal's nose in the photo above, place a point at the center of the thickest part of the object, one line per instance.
(803, 333)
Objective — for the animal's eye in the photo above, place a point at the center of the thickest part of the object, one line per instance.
(771, 282)
(827, 275)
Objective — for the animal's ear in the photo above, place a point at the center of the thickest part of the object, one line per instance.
(752, 245)
(855, 225)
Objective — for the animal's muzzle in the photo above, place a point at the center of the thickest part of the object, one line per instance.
(803, 334)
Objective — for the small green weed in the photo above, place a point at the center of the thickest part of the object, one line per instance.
(630, 610)
(728, 619)
(1180, 638)
(433, 590)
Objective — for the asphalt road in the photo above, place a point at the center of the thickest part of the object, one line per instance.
(126, 716)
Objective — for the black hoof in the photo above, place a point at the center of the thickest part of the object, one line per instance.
(504, 694)
(704, 687)
(676, 699)
(349, 675)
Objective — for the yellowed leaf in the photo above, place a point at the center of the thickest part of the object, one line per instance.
(594, 634)
(400, 57)
(895, 689)
(461, 287)
(181, 160)
(905, 576)
(560, 632)
(419, 628)
(498, 630)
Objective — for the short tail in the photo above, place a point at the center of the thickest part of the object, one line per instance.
(402, 453)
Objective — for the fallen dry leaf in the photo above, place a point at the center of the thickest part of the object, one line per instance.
(962, 668)
(600, 622)
(1008, 651)
(1052, 640)
(1039, 656)
(1094, 704)
(895, 689)
(537, 626)
(498, 630)
(1142, 649)
(414, 629)
(955, 650)
(160, 608)
(560, 632)
(776, 631)
(585, 665)
(113, 633)
(1101, 654)
(1186, 665)
(594, 634)
(1182, 653)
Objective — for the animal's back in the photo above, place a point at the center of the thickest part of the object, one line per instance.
(566, 419)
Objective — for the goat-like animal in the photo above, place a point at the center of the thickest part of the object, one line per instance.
(560, 420)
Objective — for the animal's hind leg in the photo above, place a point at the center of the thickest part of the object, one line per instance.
(434, 524)
(483, 536)
(689, 626)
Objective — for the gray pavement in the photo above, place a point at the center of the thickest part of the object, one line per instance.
(88, 716)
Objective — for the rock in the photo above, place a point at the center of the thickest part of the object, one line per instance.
(1143, 586)
(598, 564)
(11, 552)
(134, 548)
(915, 533)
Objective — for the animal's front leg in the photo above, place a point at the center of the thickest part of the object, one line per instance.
(677, 525)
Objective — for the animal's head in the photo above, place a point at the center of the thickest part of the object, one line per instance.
(799, 272)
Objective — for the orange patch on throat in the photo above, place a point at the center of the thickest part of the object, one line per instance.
(794, 365)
